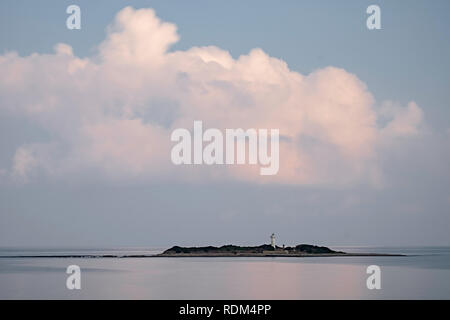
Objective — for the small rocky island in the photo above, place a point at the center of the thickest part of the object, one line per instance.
(265, 250)
(258, 251)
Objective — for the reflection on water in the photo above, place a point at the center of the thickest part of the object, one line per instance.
(423, 275)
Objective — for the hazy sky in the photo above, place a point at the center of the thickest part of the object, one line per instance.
(86, 116)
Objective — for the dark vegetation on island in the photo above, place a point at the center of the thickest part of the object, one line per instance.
(262, 249)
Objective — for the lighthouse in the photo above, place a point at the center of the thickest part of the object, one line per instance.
(272, 240)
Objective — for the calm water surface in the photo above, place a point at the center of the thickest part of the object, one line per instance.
(424, 274)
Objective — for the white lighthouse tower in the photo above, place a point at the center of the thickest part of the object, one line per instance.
(272, 240)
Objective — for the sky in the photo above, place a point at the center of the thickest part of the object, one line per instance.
(86, 117)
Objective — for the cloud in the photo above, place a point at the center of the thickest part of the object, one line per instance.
(24, 161)
(114, 112)
(405, 121)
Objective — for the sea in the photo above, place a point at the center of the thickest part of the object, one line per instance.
(424, 273)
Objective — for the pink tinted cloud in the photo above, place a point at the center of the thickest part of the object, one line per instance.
(115, 111)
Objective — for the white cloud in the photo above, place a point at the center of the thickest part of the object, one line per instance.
(115, 111)
(24, 162)
(405, 121)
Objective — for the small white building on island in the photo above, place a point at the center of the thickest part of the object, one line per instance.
(272, 240)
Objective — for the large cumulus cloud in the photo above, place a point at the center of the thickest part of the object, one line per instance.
(113, 113)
